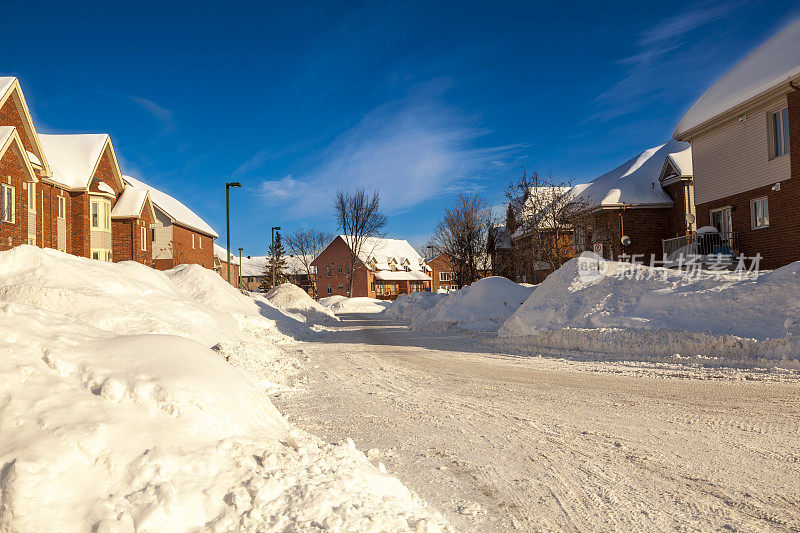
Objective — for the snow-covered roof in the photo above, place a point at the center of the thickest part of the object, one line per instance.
(73, 158)
(179, 213)
(220, 253)
(130, 203)
(401, 275)
(106, 188)
(502, 239)
(682, 162)
(5, 133)
(257, 265)
(33, 159)
(383, 252)
(5, 83)
(635, 182)
(775, 62)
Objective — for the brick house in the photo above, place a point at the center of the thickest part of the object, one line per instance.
(221, 265)
(17, 192)
(500, 250)
(443, 272)
(745, 136)
(256, 268)
(179, 235)
(384, 269)
(84, 191)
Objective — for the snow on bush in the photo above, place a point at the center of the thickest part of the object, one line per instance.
(407, 306)
(342, 304)
(293, 300)
(482, 306)
(115, 417)
(630, 309)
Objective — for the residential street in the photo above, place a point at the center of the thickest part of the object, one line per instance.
(536, 443)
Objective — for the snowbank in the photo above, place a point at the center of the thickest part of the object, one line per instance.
(407, 306)
(482, 306)
(342, 304)
(114, 418)
(662, 312)
(293, 300)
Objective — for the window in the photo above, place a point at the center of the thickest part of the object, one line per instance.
(339, 269)
(721, 219)
(101, 215)
(445, 276)
(779, 132)
(200, 241)
(144, 239)
(153, 234)
(32, 197)
(61, 208)
(328, 289)
(193, 246)
(328, 273)
(759, 213)
(9, 210)
(341, 287)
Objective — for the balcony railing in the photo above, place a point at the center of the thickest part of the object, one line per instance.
(700, 246)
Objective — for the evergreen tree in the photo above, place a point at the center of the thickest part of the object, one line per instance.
(277, 255)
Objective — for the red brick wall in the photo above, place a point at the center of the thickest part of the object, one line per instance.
(13, 164)
(127, 239)
(677, 222)
(78, 242)
(335, 255)
(645, 227)
(182, 251)
(11, 115)
(223, 271)
(107, 173)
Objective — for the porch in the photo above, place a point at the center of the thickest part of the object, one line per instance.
(701, 247)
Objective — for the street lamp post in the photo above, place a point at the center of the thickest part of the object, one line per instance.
(240, 267)
(433, 269)
(272, 249)
(228, 221)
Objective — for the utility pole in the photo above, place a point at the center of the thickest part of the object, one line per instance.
(240, 267)
(228, 221)
(433, 270)
(272, 251)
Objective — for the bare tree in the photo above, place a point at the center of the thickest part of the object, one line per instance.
(550, 220)
(359, 217)
(307, 244)
(462, 234)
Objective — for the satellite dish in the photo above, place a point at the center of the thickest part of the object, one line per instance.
(625, 240)
(690, 218)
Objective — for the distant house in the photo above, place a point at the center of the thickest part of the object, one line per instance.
(256, 268)
(222, 265)
(443, 271)
(500, 250)
(745, 136)
(179, 235)
(385, 268)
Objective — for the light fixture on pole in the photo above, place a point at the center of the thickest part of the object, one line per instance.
(228, 221)
(272, 251)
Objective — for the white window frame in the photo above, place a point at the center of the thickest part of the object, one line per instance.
(729, 218)
(31, 197)
(103, 220)
(445, 276)
(143, 234)
(200, 241)
(755, 223)
(193, 247)
(779, 133)
(329, 289)
(9, 215)
(61, 207)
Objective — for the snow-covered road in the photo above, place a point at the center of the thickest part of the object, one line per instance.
(499, 442)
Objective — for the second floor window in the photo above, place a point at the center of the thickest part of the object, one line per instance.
(779, 131)
(62, 207)
(32, 197)
(445, 276)
(327, 272)
(759, 213)
(101, 215)
(144, 238)
(339, 269)
(8, 203)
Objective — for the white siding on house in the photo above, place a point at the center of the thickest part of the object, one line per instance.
(61, 233)
(32, 225)
(734, 158)
(162, 246)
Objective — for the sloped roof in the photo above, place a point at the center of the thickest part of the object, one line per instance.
(73, 158)
(682, 162)
(385, 251)
(771, 64)
(130, 203)
(174, 209)
(220, 252)
(257, 265)
(5, 133)
(7, 83)
(635, 182)
(502, 239)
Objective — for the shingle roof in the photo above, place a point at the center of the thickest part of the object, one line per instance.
(73, 158)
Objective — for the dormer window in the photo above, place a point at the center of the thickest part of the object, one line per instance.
(779, 133)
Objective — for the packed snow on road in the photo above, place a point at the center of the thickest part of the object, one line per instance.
(138, 400)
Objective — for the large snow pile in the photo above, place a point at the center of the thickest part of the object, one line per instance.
(628, 309)
(115, 418)
(292, 299)
(482, 306)
(361, 304)
(407, 306)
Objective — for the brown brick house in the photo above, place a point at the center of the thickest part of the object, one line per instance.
(385, 269)
(17, 192)
(179, 234)
(221, 265)
(442, 270)
(745, 136)
(131, 220)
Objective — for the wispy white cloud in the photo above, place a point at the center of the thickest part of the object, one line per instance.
(410, 151)
(662, 59)
(163, 115)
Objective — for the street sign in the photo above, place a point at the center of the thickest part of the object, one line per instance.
(598, 249)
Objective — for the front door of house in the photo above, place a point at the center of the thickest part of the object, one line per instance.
(721, 219)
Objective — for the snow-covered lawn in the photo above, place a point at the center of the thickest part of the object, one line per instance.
(122, 409)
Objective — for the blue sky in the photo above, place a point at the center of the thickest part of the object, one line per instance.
(417, 100)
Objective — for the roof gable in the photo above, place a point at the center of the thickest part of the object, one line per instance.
(75, 158)
(10, 89)
(8, 138)
(773, 63)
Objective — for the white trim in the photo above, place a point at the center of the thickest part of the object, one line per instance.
(765, 216)
(5, 187)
